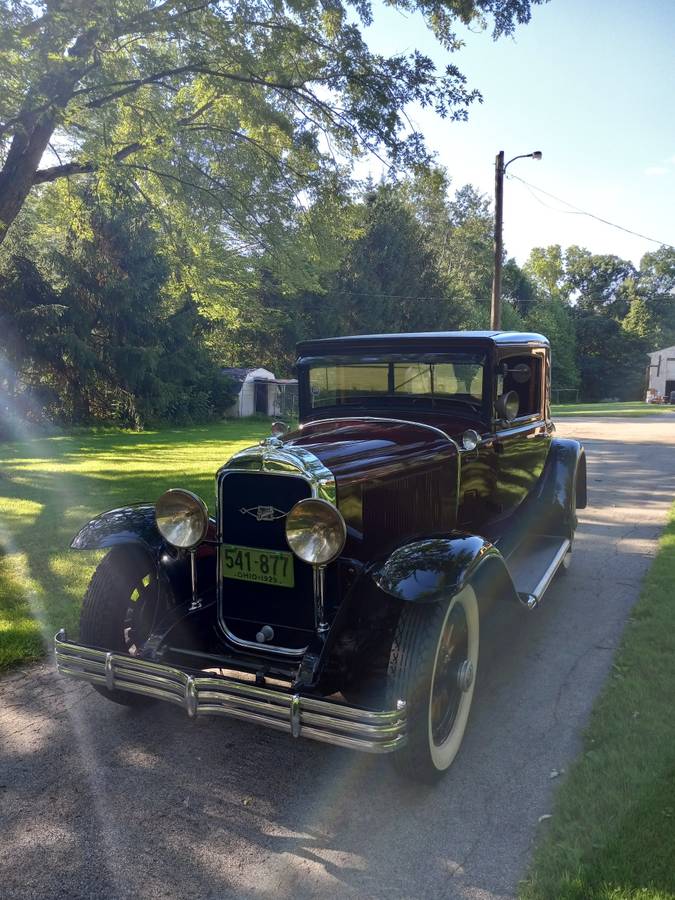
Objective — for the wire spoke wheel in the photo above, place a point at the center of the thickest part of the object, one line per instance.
(141, 614)
(121, 608)
(433, 665)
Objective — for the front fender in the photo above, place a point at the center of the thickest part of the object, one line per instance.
(432, 569)
(133, 524)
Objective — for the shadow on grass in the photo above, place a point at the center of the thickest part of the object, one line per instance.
(49, 487)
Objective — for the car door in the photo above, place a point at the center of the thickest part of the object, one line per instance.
(521, 445)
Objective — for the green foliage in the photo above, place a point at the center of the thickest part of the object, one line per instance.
(611, 361)
(553, 318)
(656, 286)
(602, 316)
(518, 287)
(468, 257)
(389, 281)
(546, 269)
(638, 320)
(223, 111)
(417, 258)
(611, 835)
(92, 338)
(597, 280)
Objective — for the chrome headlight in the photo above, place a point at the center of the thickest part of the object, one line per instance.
(182, 518)
(315, 531)
(470, 439)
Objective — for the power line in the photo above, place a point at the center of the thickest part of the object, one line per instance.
(390, 296)
(576, 211)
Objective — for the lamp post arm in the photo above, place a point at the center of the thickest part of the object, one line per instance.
(521, 156)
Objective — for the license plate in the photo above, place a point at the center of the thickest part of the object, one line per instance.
(262, 566)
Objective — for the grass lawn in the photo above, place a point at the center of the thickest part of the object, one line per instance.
(634, 409)
(49, 487)
(612, 835)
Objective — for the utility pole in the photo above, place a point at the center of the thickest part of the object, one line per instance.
(496, 306)
(500, 169)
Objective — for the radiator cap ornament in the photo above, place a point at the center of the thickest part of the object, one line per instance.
(279, 429)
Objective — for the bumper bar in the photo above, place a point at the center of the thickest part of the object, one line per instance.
(322, 720)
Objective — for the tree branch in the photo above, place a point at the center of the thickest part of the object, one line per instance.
(42, 176)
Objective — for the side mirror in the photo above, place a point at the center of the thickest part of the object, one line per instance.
(507, 406)
(521, 373)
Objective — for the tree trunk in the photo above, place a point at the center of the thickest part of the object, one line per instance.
(34, 128)
(16, 179)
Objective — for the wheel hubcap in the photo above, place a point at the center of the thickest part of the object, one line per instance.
(465, 675)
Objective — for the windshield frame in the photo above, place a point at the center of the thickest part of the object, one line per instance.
(396, 403)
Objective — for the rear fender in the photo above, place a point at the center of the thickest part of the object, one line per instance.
(434, 569)
(551, 508)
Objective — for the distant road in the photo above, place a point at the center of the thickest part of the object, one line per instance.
(98, 801)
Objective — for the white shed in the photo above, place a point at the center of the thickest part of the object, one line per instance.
(661, 373)
(258, 391)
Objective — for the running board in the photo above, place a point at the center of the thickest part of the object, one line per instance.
(534, 565)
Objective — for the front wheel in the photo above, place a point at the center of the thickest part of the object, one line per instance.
(120, 608)
(433, 665)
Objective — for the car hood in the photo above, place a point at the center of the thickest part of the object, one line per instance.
(359, 450)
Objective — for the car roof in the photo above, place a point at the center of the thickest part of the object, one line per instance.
(425, 340)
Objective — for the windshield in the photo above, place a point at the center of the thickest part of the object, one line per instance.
(450, 378)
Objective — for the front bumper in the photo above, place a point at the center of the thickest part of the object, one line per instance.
(373, 731)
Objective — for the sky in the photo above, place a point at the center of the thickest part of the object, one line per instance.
(590, 83)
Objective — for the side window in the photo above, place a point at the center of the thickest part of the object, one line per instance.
(523, 374)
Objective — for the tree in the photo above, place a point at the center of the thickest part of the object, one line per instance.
(546, 269)
(553, 319)
(241, 103)
(655, 285)
(611, 361)
(638, 320)
(468, 258)
(597, 281)
(389, 280)
(517, 287)
(459, 232)
(93, 336)
(31, 313)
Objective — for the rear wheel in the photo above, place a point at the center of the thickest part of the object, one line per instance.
(119, 609)
(433, 665)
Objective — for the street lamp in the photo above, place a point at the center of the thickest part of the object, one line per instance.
(500, 168)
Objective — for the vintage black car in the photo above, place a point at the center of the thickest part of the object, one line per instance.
(337, 590)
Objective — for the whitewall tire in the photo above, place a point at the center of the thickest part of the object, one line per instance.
(433, 667)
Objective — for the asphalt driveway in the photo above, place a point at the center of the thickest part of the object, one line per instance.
(98, 801)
